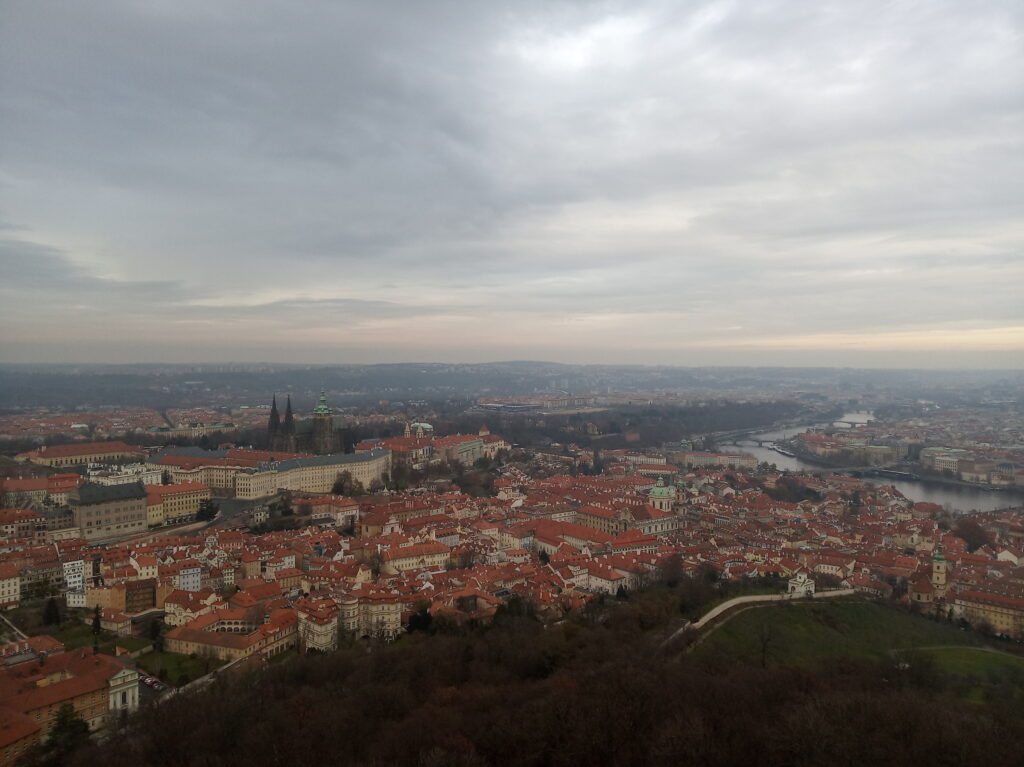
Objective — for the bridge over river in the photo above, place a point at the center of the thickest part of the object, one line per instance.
(957, 497)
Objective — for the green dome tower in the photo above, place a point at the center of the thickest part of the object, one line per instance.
(324, 441)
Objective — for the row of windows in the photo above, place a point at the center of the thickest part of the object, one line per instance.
(20, 747)
(111, 526)
(124, 515)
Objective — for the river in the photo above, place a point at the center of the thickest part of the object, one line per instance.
(957, 498)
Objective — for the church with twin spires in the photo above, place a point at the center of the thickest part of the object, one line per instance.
(282, 435)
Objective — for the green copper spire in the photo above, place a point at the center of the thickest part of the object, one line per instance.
(321, 405)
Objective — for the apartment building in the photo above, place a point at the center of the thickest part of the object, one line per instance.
(171, 504)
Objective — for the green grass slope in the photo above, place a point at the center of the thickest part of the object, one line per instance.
(809, 633)
(977, 661)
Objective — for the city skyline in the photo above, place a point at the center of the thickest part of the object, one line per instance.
(712, 184)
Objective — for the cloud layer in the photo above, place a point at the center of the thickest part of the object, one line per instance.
(702, 183)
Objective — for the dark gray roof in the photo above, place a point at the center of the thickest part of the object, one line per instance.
(190, 452)
(323, 460)
(90, 492)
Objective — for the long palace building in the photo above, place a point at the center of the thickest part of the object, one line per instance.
(316, 474)
(250, 474)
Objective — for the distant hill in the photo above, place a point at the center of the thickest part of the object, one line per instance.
(161, 386)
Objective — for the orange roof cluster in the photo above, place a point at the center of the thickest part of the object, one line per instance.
(83, 449)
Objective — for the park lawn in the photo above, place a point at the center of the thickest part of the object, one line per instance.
(132, 643)
(173, 665)
(974, 662)
(75, 635)
(808, 633)
(978, 676)
(29, 618)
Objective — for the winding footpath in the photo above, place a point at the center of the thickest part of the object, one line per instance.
(750, 601)
(17, 631)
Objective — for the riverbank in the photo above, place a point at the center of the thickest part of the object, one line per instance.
(955, 495)
(915, 472)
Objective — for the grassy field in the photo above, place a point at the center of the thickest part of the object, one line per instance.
(29, 618)
(974, 662)
(805, 634)
(72, 633)
(75, 635)
(132, 643)
(170, 666)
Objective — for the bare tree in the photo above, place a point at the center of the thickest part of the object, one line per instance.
(765, 637)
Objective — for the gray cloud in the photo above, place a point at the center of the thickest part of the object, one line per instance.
(218, 176)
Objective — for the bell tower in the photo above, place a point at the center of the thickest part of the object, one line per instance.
(324, 441)
(939, 570)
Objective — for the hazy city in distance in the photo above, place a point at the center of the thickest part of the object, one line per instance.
(547, 382)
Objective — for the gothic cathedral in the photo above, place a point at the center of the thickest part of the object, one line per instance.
(281, 436)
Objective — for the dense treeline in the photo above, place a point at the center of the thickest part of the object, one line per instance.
(792, 490)
(596, 689)
(627, 426)
(618, 427)
(615, 427)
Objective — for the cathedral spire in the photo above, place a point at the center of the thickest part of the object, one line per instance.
(286, 438)
(274, 424)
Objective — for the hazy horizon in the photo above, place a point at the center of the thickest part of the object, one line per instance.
(701, 184)
(304, 363)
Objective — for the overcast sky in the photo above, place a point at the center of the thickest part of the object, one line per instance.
(835, 183)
